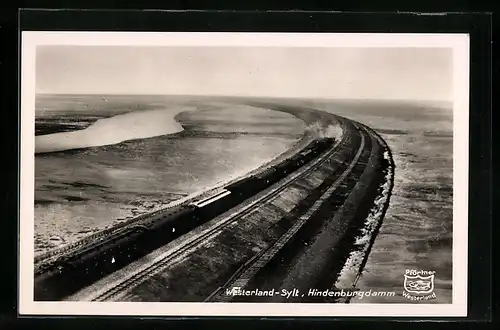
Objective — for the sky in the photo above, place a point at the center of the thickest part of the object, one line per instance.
(423, 74)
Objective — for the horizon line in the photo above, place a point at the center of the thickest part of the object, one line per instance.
(253, 96)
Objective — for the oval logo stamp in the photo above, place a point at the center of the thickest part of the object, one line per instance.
(419, 284)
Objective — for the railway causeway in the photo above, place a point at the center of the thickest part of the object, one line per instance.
(253, 233)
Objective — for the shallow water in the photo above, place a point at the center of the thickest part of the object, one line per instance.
(416, 232)
(81, 191)
(418, 228)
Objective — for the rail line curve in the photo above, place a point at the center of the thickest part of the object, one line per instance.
(259, 260)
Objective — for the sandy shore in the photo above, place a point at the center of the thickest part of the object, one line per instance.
(113, 130)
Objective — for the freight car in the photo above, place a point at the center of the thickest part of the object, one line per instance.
(71, 273)
(266, 178)
(94, 261)
(210, 199)
(235, 187)
(266, 173)
(252, 184)
(214, 205)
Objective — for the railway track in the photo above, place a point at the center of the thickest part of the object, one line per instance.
(247, 271)
(350, 278)
(47, 257)
(45, 260)
(178, 251)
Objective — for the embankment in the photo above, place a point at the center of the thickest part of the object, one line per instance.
(218, 258)
(322, 250)
(313, 129)
(366, 235)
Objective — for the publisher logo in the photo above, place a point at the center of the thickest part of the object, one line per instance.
(419, 284)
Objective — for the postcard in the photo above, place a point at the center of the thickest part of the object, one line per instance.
(243, 174)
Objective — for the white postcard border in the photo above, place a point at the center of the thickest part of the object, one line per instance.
(458, 42)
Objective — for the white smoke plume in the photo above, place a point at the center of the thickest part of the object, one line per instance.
(319, 130)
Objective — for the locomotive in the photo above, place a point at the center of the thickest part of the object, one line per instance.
(100, 258)
(253, 184)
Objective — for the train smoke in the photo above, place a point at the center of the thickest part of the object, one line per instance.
(319, 130)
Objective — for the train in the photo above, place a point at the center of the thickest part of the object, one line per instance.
(70, 273)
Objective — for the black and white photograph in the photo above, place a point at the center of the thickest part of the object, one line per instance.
(278, 174)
